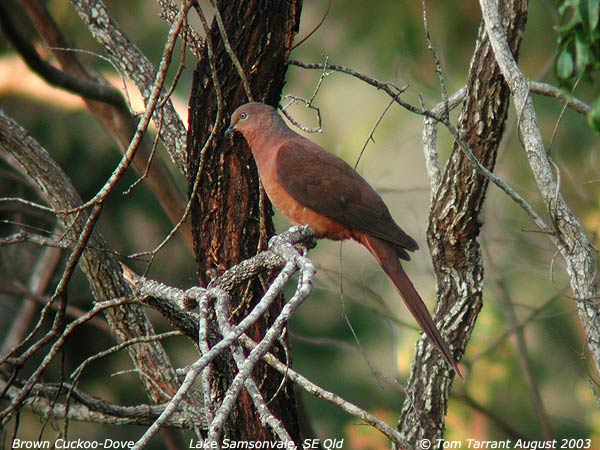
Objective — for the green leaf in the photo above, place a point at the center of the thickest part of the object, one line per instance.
(564, 65)
(570, 16)
(566, 4)
(594, 117)
(584, 14)
(582, 54)
(573, 21)
(594, 13)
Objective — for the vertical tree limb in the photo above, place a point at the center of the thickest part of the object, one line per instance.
(453, 230)
(570, 237)
(228, 222)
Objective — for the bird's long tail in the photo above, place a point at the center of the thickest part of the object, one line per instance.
(388, 259)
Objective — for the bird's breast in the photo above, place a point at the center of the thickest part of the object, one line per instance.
(298, 214)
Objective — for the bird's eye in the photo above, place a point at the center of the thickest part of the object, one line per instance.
(243, 116)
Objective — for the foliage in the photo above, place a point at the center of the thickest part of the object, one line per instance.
(578, 52)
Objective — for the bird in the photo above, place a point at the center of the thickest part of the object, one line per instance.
(310, 186)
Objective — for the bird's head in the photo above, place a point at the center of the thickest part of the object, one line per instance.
(250, 117)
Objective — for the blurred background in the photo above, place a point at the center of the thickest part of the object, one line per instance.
(353, 336)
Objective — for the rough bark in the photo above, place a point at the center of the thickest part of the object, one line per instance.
(454, 226)
(568, 235)
(228, 222)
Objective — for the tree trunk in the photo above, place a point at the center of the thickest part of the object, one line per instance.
(231, 216)
(454, 227)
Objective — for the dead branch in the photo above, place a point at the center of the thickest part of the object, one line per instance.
(101, 269)
(135, 65)
(120, 124)
(570, 237)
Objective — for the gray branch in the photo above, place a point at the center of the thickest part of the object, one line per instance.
(93, 410)
(137, 67)
(281, 249)
(295, 261)
(570, 237)
(104, 276)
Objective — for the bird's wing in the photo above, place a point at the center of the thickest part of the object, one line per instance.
(326, 184)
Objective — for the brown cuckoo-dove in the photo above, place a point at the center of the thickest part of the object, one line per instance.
(313, 187)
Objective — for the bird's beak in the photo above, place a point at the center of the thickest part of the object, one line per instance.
(230, 129)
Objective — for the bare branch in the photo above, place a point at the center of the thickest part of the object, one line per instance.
(571, 239)
(389, 88)
(552, 91)
(24, 236)
(93, 410)
(305, 282)
(429, 137)
(86, 88)
(195, 42)
(120, 124)
(392, 434)
(266, 416)
(98, 264)
(133, 63)
(295, 261)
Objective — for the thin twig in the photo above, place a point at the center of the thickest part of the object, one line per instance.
(150, 159)
(371, 134)
(392, 434)
(76, 374)
(314, 30)
(391, 89)
(570, 237)
(28, 203)
(56, 347)
(231, 53)
(438, 64)
(560, 117)
(507, 305)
